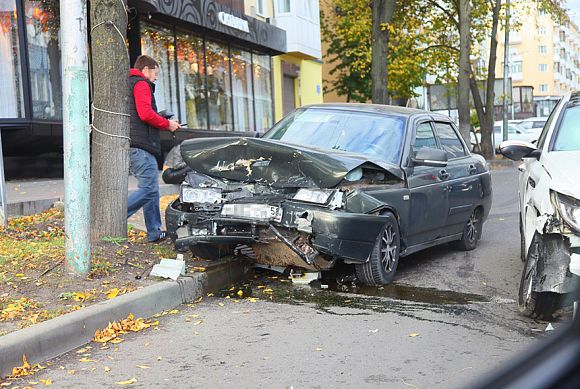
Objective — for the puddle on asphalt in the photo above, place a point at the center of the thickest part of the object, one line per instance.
(328, 297)
(406, 292)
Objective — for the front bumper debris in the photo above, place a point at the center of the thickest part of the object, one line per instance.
(304, 235)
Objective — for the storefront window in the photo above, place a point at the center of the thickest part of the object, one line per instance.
(242, 90)
(158, 43)
(191, 73)
(218, 86)
(263, 92)
(42, 31)
(11, 97)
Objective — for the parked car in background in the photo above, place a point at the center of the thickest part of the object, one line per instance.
(361, 184)
(549, 187)
(535, 123)
(515, 132)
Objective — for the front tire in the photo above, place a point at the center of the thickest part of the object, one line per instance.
(382, 264)
(535, 305)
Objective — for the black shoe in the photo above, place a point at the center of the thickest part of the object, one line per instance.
(162, 237)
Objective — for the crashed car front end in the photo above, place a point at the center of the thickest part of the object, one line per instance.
(307, 228)
(554, 210)
(291, 206)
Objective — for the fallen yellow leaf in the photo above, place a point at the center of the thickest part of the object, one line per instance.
(221, 304)
(107, 369)
(414, 335)
(240, 293)
(86, 360)
(174, 311)
(111, 294)
(198, 322)
(46, 382)
(128, 382)
(143, 367)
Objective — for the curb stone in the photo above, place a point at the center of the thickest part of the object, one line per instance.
(57, 336)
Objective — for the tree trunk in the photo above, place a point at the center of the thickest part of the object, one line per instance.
(464, 10)
(486, 114)
(382, 14)
(110, 142)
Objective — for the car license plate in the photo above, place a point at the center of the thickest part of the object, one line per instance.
(253, 211)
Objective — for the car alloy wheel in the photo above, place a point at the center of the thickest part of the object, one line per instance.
(472, 230)
(388, 249)
(381, 267)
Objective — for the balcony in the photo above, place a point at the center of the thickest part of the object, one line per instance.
(302, 30)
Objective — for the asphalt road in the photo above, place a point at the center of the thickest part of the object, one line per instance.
(449, 318)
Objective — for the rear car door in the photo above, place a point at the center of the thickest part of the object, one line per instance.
(463, 184)
(428, 191)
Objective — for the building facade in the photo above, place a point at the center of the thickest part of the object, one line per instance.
(543, 54)
(222, 65)
(297, 74)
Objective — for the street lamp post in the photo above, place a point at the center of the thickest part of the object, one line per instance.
(506, 70)
(75, 97)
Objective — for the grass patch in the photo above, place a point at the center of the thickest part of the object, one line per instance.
(164, 251)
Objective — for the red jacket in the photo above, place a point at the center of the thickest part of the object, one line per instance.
(142, 95)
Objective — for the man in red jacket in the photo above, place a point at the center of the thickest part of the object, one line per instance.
(146, 145)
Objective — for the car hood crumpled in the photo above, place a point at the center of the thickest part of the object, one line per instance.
(276, 163)
(562, 166)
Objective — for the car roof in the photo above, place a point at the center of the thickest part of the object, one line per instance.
(376, 108)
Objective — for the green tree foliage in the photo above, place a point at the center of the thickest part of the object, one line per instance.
(418, 45)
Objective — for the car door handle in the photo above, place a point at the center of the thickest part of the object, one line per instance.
(531, 182)
(443, 174)
(472, 169)
(522, 168)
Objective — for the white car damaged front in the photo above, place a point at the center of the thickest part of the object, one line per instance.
(550, 211)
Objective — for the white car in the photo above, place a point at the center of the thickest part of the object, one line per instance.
(549, 200)
(515, 132)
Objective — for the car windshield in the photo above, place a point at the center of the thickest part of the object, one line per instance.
(568, 136)
(378, 135)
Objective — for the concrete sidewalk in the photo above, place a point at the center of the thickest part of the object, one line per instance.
(27, 197)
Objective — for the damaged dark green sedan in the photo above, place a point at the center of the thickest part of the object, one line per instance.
(358, 183)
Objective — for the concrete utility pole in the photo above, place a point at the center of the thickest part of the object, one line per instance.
(506, 71)
(75, 96)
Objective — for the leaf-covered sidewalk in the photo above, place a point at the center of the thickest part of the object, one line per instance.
(34, 285)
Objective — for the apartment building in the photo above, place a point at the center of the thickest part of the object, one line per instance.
(542, 54)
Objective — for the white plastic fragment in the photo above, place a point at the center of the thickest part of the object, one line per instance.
(550, 327)
(169, 268)
(304, 278)
(575, 264)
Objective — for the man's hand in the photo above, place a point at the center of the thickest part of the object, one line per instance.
(174, 125)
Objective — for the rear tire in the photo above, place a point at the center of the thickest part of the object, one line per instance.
(382, 264)
(471, 232)
(536, 305)
(211, 252)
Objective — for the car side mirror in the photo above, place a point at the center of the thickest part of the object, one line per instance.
(428, 156)
(517, 149)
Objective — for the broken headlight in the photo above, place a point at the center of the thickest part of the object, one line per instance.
(315, 196)
(190, 194)
(569, 210)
